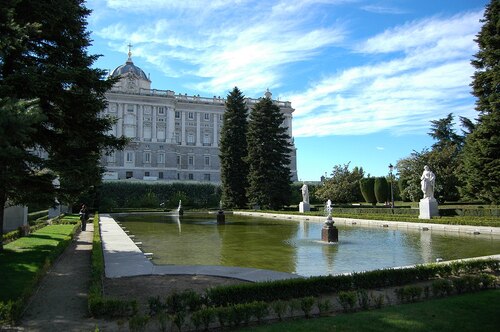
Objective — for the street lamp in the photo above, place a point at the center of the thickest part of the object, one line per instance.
(391, 168)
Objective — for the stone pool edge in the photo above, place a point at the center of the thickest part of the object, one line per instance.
(465, 229)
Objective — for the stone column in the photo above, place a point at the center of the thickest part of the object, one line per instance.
(216, 128)
(183, 128)
(140, 123)
(288, 123)
(119, 123)
(170, 124)
(153, 127)
(198, 129)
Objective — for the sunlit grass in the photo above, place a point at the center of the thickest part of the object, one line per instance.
(23, 259)
(469, 312)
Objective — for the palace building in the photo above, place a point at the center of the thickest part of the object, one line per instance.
(172, 136)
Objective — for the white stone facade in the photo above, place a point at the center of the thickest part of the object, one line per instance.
(173, 136)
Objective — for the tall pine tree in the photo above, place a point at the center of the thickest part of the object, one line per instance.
(268, 157)
(233, 151)
(56, 69)
(481, 154)
(43, 57)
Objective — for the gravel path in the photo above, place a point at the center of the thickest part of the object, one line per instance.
(60, 303)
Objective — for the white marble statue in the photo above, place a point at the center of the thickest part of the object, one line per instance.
(427, 181)
(305, 193)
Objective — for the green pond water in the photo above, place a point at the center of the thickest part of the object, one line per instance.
(294, 246)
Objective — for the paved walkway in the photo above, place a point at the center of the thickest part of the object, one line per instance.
(60, 303)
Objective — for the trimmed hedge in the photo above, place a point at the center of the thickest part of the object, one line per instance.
(150, 195)
(315, 286)
(468, 212)
(34, 216)
(367, 186)
(381, 189)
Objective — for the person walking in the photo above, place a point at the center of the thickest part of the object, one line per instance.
(84, 215)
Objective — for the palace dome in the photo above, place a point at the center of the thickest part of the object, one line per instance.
(129, 67)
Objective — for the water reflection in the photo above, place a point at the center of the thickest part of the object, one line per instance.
(295, 247)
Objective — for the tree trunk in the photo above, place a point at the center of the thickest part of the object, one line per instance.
(3, 200)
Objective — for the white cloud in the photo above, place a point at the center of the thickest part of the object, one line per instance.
(428, 79)
(248, 48)
(379, 9)
(422, 33)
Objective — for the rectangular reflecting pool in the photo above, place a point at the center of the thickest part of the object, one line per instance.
(294, 246)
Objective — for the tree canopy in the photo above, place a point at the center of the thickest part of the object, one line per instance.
(343, 186)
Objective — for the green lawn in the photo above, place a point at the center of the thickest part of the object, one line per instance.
(22, 260)
(469, 312)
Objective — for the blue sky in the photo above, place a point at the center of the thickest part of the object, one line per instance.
(365, 77)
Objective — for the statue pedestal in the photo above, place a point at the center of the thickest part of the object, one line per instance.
(55, 211)
(304, 207)
(329, 234)
(221, 218)
(428, 208)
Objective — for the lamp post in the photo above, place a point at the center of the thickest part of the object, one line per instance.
(391, 168)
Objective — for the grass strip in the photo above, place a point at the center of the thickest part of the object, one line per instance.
(468, 312)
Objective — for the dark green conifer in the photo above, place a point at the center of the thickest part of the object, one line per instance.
(481, 154)
(268, 157)
(233, 151)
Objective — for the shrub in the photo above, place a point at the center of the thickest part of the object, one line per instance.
(204, 317)
(259, 310)
(306, 304)
(179, 318)
(381, 189)
(138, 323)
(363, 299)
(377, 299)
(148, 200)
(222, 314)
(409, 293)
(442, 287)
(367, 186)
(347, 300)
(324, 306)
(156, 306)
(279, 307)
(487, 281)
